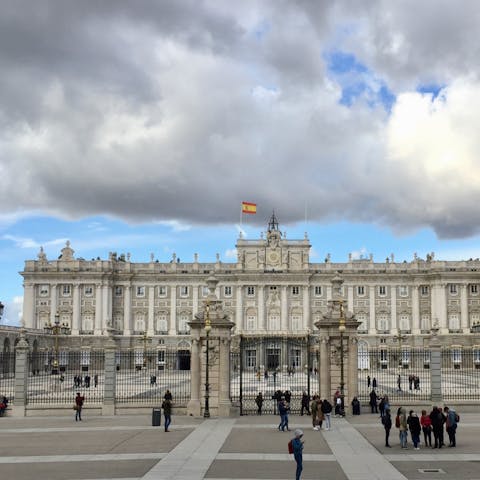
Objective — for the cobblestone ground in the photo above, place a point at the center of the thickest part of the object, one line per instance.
(249, 447)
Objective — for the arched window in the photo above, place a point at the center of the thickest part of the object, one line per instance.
(363, 356)
(404, 322)
(383, 324)
(87, 323)
(273, 321)
(183, 320)
(453, 321)
(139, 322)
(161, 323)
(425, 322)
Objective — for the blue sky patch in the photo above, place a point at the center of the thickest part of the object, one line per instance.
(432, 88)
(357, 81)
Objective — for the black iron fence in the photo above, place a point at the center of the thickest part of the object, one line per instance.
(271, 366)
(7, 374)
(403, 375)
(143, 377)
(460, 374)
(55, 379)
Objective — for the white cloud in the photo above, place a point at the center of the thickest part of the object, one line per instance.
(231, 253)
(13, 311)
(237, 103)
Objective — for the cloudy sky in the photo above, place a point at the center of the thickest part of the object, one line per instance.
(140, 126)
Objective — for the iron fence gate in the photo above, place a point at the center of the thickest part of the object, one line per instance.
(460, 374)
(7, 374)
(403, 375)
(143, 377)
(55, 378)
(270, 366)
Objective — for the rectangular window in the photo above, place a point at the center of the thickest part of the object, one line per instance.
(251, 322)
(44, 290)
(66, 290)
(295, 290)
(251, 358)
(456, 355)
(250, 291)
(88, 290)
(318, 291)
(424, 290)
(205, 291)
(227, 291)
(360, 290)
(453, 289)
(425, 323)
(296, 322)
(118, 291)
(162, 291)
(140, 291)
(184, 291)
(403, 290)
(382, 290)
(474, 289)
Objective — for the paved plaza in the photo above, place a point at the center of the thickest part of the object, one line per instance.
(250, 447)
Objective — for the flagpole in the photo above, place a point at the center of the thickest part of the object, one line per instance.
(241, 214)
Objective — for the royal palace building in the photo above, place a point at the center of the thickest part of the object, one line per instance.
(271, 291)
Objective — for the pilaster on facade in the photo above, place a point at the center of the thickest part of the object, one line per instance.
(31, 320)
(464, 308)
(76, 310)
(151, 311)
(53, 303)
(261, 308)
(173, 310)
(393, 309)
(239, 316)
(372, 328)
(284, 314)
(416, 327)
(306, 317)
(350, 306)
(98, 309)
(127, 311)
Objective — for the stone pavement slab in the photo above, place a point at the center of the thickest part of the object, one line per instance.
(114, 448)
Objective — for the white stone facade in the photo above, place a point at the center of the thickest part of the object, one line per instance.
(272, 289)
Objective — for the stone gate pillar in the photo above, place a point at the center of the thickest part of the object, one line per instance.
(21, 376)
(217, 336)
(337, 330)
(324, 369)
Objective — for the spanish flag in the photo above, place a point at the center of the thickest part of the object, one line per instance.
(248, 207)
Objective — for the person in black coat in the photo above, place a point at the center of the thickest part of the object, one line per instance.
(387, 425)
(305, 403)
(438, 419)
(414, 426)
(355, 406)
(373, 401)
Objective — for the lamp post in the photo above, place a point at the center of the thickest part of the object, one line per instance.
(341, 329)
(208, 327)
(56, 329)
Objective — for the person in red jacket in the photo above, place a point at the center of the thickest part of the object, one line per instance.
(426, 423)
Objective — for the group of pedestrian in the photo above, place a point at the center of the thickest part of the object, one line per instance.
(79, 381)
(413, 382)
(321, 411)
(428, 423)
